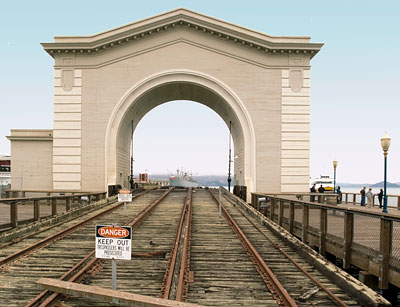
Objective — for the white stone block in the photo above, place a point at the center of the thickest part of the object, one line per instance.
(295, 171)
(285, 82)
(306, 74)
(78, 73)
(299, 101)
(295, 162)
(67, 125)
(66, 159)
(67, 134)
(67, 116)
(295, 153)
(70, 168)
(57, 82)
(67, 151)
(285, 73)
(296, 109)
(294, 179)
(59, 91)
(66, 142)
(304, 92)
(57, 73)
(295, 118)
(67, 99)
(292, 136)
(67, 185)
(66, 177)
(68, 108)
(78, 82)
(296, 127)
(296, 145)
(295, 188)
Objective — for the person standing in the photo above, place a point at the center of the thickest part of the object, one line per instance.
(321, 189)
(339, 195)
(362, 192)
(370, 197)
(380, 197)
(313, 190)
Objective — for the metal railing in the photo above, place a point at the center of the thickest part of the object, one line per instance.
(368, 240)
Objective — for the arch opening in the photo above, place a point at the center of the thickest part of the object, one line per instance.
(157, 90)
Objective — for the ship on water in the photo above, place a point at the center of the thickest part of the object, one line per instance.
(183, 180)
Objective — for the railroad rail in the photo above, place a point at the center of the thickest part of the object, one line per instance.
(182, 250)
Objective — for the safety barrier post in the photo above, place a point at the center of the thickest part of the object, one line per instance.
(14, 214)
(54, 206)
(384, 252)
(36, 210)
(305, 223)
(291, 217)
(323, 227)
(348, 238)
(281, 208)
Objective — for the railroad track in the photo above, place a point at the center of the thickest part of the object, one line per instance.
(182, 249)
(306, 285)
(19, 272)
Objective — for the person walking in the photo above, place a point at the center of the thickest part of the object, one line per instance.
(370, 197)
(380, 197)
(313, 190)
(362, 192)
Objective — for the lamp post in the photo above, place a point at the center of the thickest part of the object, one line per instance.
(385, 143)
(229, 158)
(335, 163)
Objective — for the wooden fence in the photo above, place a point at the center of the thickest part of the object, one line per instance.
(14, 203)
(370, 241)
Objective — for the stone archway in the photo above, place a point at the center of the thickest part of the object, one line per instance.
(178, 85)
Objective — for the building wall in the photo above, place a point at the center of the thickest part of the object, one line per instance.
(31, 161)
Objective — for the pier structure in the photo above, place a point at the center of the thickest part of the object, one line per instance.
(105, 83)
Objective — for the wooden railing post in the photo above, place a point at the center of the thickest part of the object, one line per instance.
(272, 209)
(348, 238)
(68, 204)
(384, 252)
(346, 198)
(305, 224)
(291, 217)
(323, 227)
(320, 198)
(14, 214)
(398, 202)
(281, 208)
(54, 206)
(36, 210)
(354, 198)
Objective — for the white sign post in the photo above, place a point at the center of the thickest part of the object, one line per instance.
(113, 242)
(124, 195)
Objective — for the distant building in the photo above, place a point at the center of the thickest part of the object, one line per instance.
(5, 173)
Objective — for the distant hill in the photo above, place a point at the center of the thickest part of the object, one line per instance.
(204, 180)
(375, 185)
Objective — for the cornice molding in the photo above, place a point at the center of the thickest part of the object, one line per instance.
(181, 18)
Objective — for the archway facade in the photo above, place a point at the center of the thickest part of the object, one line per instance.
(107, 82)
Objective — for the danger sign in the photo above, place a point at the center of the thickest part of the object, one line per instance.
(124, 195)
(113, 242)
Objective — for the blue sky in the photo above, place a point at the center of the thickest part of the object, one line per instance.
(355, 78)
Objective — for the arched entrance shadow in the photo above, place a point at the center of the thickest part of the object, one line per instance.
(178, 85)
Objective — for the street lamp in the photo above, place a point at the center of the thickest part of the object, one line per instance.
(385, 143)
(335, 163)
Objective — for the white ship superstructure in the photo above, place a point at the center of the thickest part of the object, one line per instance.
(183, 179)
